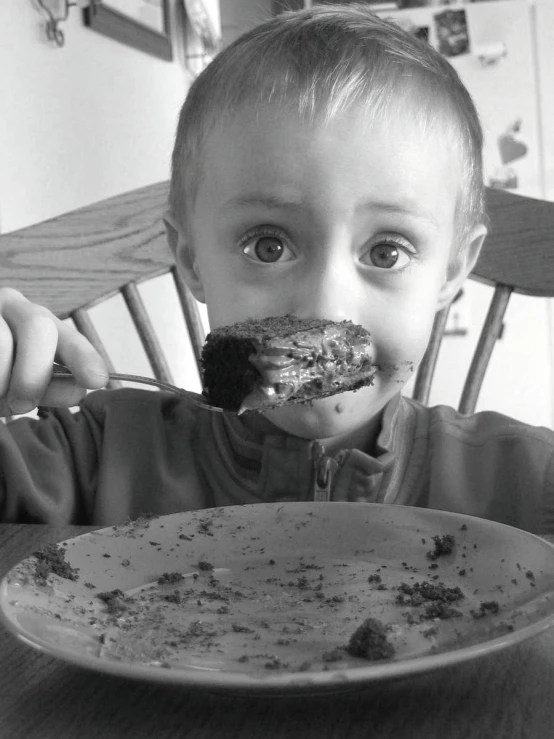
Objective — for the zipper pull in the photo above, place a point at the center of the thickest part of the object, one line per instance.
(324, 470)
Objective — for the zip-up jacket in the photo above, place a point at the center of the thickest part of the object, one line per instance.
(131, 452)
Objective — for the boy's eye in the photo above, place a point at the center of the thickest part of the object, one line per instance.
(267, 249)
(388, 256)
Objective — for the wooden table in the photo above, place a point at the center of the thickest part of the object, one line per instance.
(506, 695)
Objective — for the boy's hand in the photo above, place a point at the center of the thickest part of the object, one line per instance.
(31, 338)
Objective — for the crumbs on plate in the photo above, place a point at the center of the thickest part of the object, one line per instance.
(51, 560)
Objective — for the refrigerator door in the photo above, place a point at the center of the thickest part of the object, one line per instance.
(494, 56)
(542, 13)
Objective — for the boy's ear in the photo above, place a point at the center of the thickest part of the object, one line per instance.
(185, 258)
(461, 265)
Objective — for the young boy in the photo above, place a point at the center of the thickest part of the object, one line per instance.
(327, 164)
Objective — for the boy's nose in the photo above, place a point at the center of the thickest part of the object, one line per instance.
(329, 291)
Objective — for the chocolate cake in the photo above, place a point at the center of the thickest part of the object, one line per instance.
(262, 364)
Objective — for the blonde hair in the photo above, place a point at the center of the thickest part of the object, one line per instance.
(317, 63)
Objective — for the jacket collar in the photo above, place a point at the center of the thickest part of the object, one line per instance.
(265, 467)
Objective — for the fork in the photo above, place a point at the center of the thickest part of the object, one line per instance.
(61, 371)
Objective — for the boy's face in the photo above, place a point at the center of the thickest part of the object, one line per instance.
(343, 221)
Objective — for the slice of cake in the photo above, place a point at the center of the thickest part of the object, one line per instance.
(262, 364)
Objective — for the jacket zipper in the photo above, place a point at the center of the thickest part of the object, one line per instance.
(325, 468)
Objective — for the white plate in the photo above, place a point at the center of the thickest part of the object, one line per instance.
(289, 586)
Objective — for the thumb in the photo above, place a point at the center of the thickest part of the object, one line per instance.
(60, 393)
(63, 392)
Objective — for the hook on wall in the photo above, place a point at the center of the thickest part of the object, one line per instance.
(58, 12)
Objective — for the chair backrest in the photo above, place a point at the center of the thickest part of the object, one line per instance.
(74, 261)
(517, 257)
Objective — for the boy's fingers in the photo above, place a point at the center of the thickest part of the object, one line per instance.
(32, 382)
(78, 354)
(6, 357)
(63, 393)
(30, 338)
(36, 338)
(4, 409)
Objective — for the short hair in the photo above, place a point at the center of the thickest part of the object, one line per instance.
(317, 63)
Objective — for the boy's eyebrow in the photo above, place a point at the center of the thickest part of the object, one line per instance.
(274, 201)
(256, 200)
(402, 209)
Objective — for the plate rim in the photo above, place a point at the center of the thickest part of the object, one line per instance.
(331, 680)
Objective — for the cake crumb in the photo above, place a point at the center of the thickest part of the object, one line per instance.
(486, 608)
(443, 545)
(51, 560)
(370, 641)
(333, 655)
(170, 577)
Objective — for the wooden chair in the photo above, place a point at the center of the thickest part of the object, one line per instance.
(517, 257)
(73, 262)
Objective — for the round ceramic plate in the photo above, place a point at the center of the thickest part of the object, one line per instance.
(284, 598)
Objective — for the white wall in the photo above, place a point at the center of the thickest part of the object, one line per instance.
(238, 16)
(79, 123)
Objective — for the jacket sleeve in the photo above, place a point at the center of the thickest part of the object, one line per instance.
(546, 523)
(49, 467)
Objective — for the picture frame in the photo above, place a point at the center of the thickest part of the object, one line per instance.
(142, 24)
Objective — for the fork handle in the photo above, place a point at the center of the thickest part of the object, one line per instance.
(60, 370)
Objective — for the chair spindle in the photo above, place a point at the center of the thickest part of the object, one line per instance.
(426, 371)
(489, 335)
(146, 332)
(82, 320)
(191, 315)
